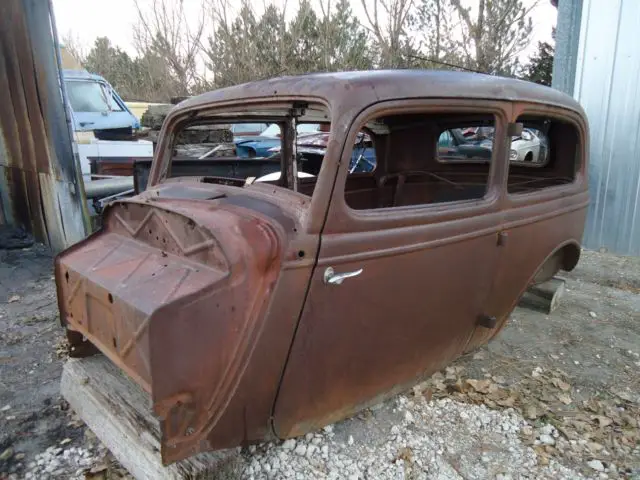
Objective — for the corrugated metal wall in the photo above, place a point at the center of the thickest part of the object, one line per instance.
(608, 87)
(39, 186)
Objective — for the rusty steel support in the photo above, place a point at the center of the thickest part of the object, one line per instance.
(39, 185)
(289, 170)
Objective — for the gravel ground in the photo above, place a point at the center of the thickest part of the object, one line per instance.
(56, 462)
(411, 438)
(577, 368)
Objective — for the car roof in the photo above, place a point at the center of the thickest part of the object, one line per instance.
(80, 75)
(362, 88)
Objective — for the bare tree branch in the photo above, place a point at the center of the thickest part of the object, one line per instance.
(164, 32)
(73, 45)
(498, 34)
(390, 37)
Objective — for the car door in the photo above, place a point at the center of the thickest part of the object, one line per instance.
(396, 294)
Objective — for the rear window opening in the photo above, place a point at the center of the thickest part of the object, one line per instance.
(423, 159)
(546, 154)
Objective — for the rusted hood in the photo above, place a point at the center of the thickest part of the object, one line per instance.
(174, 291)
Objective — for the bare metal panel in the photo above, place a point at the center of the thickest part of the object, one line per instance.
(608, 87)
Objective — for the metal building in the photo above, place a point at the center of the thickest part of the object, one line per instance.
(599, 63)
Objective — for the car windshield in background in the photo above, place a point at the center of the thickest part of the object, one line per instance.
(89, 96)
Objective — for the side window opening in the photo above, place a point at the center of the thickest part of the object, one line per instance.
(115, 104)
(544, 155)
(424, 159)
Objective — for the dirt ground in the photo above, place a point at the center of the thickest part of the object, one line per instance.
(594, 335)
(33, 416)
(577, 368)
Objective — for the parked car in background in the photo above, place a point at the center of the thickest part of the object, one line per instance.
(477, 143)
(95, 105)
(262, 145)
(311, 144)
(453, 144)
(525, 148)
(311, 149)
(103, 129)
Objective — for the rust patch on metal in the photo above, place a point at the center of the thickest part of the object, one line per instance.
(168, 274)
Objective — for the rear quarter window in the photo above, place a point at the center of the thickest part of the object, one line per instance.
(546, 154)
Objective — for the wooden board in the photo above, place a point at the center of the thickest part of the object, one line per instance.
(119, 412)
(544, 297)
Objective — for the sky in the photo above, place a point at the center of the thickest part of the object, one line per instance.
(89, 19)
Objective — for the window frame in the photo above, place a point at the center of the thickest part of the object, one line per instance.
(343, 218)
(578, 185)
(250, 109)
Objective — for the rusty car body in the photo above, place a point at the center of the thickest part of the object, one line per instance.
(261, 310)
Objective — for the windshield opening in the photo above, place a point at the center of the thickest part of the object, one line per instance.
(217, 147)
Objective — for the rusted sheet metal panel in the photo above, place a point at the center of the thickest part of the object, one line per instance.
(168, 274)
(40, 190)
(343, 90)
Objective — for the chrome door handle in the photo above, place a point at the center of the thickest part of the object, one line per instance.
(333, 278)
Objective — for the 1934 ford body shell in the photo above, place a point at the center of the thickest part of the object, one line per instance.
(213, 298)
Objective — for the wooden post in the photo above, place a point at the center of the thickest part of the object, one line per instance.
(38, 170)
